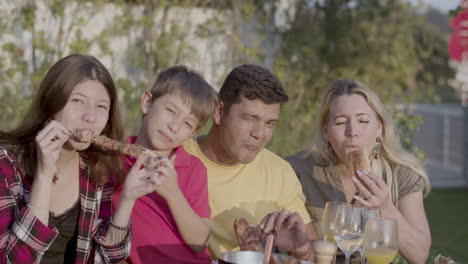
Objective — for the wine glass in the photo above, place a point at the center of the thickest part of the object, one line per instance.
(349, 229)
(380, 240)
(327, 223)
(369, 213)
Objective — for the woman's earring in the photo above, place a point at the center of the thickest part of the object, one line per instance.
(377, 148)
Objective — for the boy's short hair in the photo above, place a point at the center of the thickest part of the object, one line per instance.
(252, 82)
(191, 87)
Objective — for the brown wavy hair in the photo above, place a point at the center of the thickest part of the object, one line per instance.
(252, 82)
(49, 99)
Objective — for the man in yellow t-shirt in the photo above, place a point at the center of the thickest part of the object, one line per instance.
(245, 179)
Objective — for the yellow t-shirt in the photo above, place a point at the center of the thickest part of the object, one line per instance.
(251, 191)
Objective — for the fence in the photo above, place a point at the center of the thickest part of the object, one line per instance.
(442, 137)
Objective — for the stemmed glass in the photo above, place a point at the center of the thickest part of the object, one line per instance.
(327, 223)
(380, 240)
(369, 213)
(349, 228)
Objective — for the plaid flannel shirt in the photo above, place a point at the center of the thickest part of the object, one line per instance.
(24, 238)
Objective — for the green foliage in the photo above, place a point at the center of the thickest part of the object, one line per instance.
(81, 45)
(28, 15)
(434, 72)
(57, 8)
(162, 44)
(23, 72)
(408, 125)
(13, 98)
(385, 44)
(212, 27)
(131, 99)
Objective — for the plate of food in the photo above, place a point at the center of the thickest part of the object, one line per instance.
(255, 247)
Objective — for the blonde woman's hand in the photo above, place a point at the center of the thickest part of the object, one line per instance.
(375, 193)
(141, 180)
(49, 142)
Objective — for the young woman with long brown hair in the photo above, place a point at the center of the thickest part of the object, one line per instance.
(55, 193)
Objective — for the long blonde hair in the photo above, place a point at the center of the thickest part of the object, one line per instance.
(391, 153)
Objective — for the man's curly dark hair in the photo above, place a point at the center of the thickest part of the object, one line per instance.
(252, 82)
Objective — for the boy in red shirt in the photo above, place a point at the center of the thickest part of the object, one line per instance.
(171, 225)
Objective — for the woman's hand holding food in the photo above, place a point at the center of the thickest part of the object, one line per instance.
(50, 141)
(375, 193)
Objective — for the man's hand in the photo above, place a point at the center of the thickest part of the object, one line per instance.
(289, 230)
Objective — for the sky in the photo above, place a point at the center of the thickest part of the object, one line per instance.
(443, 5)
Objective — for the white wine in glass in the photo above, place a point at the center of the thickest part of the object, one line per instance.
(380, 240)
(349, 228)
(349, 242)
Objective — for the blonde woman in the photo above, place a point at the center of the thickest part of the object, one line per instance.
(352, 116)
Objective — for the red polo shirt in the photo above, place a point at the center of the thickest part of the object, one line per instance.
(155, 236)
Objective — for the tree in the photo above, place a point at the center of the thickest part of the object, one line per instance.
(21, 72)
(154, 42)
(307, 43)
(383, 44)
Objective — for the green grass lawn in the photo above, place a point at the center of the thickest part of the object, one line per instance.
(447, 210)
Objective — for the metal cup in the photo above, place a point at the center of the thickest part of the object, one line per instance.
(252, 257)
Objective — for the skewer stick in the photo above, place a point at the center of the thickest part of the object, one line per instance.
(268, 248)
(134, 150)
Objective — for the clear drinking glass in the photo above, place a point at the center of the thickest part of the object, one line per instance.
(349, 229)
(369, 213)
(380, 240)
(327, 223)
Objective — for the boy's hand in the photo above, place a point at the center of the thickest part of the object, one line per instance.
(140, 180)
(170, 186)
